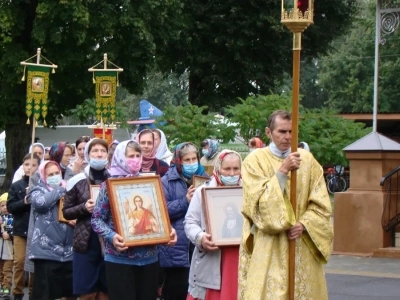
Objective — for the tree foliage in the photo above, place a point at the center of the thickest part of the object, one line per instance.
(252, 113)
(189, 124)
(347, 72)
(327, 134)
(325, 131)
(74, 35)
(237, 48)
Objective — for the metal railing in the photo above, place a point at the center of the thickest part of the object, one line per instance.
(391, 210)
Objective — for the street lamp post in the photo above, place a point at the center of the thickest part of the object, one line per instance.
(297, 15)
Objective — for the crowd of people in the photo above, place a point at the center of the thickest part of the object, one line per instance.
(67, 242)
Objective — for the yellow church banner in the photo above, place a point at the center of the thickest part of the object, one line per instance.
(106, 92)
(37, 90)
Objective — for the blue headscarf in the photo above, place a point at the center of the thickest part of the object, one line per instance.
(213, 148)
(177, 162)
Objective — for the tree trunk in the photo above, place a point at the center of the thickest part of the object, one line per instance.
(18, 139)
(195, 90)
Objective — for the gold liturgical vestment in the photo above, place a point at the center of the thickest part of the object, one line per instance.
(264, 250)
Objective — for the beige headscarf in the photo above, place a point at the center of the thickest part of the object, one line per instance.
(218, 163)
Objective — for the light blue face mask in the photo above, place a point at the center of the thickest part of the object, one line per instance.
(54, 181)
(188, 170)
(98, 164)
(205, 152)
(230, 180)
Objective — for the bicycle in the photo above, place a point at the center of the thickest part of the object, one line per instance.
(334, 180)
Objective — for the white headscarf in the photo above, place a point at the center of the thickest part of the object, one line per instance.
(162, 150)
(37, 145)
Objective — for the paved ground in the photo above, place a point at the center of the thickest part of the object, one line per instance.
(363, 278)
(360, 278)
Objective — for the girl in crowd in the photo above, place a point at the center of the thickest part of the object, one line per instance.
(20, 209)
(149, 161)
(160, 143)
(78, 162)
(210, 152)
(89, 281)
(36, 148)
(213, 272)
(132, 273)
(51, 245)
(178, 191)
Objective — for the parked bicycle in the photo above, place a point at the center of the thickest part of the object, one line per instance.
(335, 182)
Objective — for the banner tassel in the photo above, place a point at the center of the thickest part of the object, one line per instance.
(28, 122)
(94, 80)
(23, 77)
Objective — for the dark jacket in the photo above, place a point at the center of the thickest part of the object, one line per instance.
(159, 166)
(17, 207)
(175, 189)
(74, 208)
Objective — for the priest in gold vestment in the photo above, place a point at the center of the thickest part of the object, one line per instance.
(270, 221)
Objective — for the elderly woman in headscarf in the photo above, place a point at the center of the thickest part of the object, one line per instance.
(160, 143)
(178, 191)
(51, 244)
(36, 148)
(131, 272)
(210, 152)
(149, 161)
(88, 264)
(213, 271)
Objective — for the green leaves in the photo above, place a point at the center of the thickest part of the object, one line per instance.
(325, 132)
(189, 124)
(252, 113)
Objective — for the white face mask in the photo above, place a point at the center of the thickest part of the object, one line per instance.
(54, 181)
(275, 150)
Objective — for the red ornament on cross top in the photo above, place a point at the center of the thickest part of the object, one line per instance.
(302, 5)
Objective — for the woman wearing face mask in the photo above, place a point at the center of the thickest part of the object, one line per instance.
(178, 191)
(88, 264)
(210, 153)
(51, 245)
(56, 155)
(78, 163)
(213, 271)
(149, 161)
(131, 272)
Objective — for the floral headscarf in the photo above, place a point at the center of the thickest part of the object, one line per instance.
(162, 150)
(176, 160)
(42, 172)
(119, 166)
(147, 161)
(56, 152)
(213, 148)
(218, 163)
